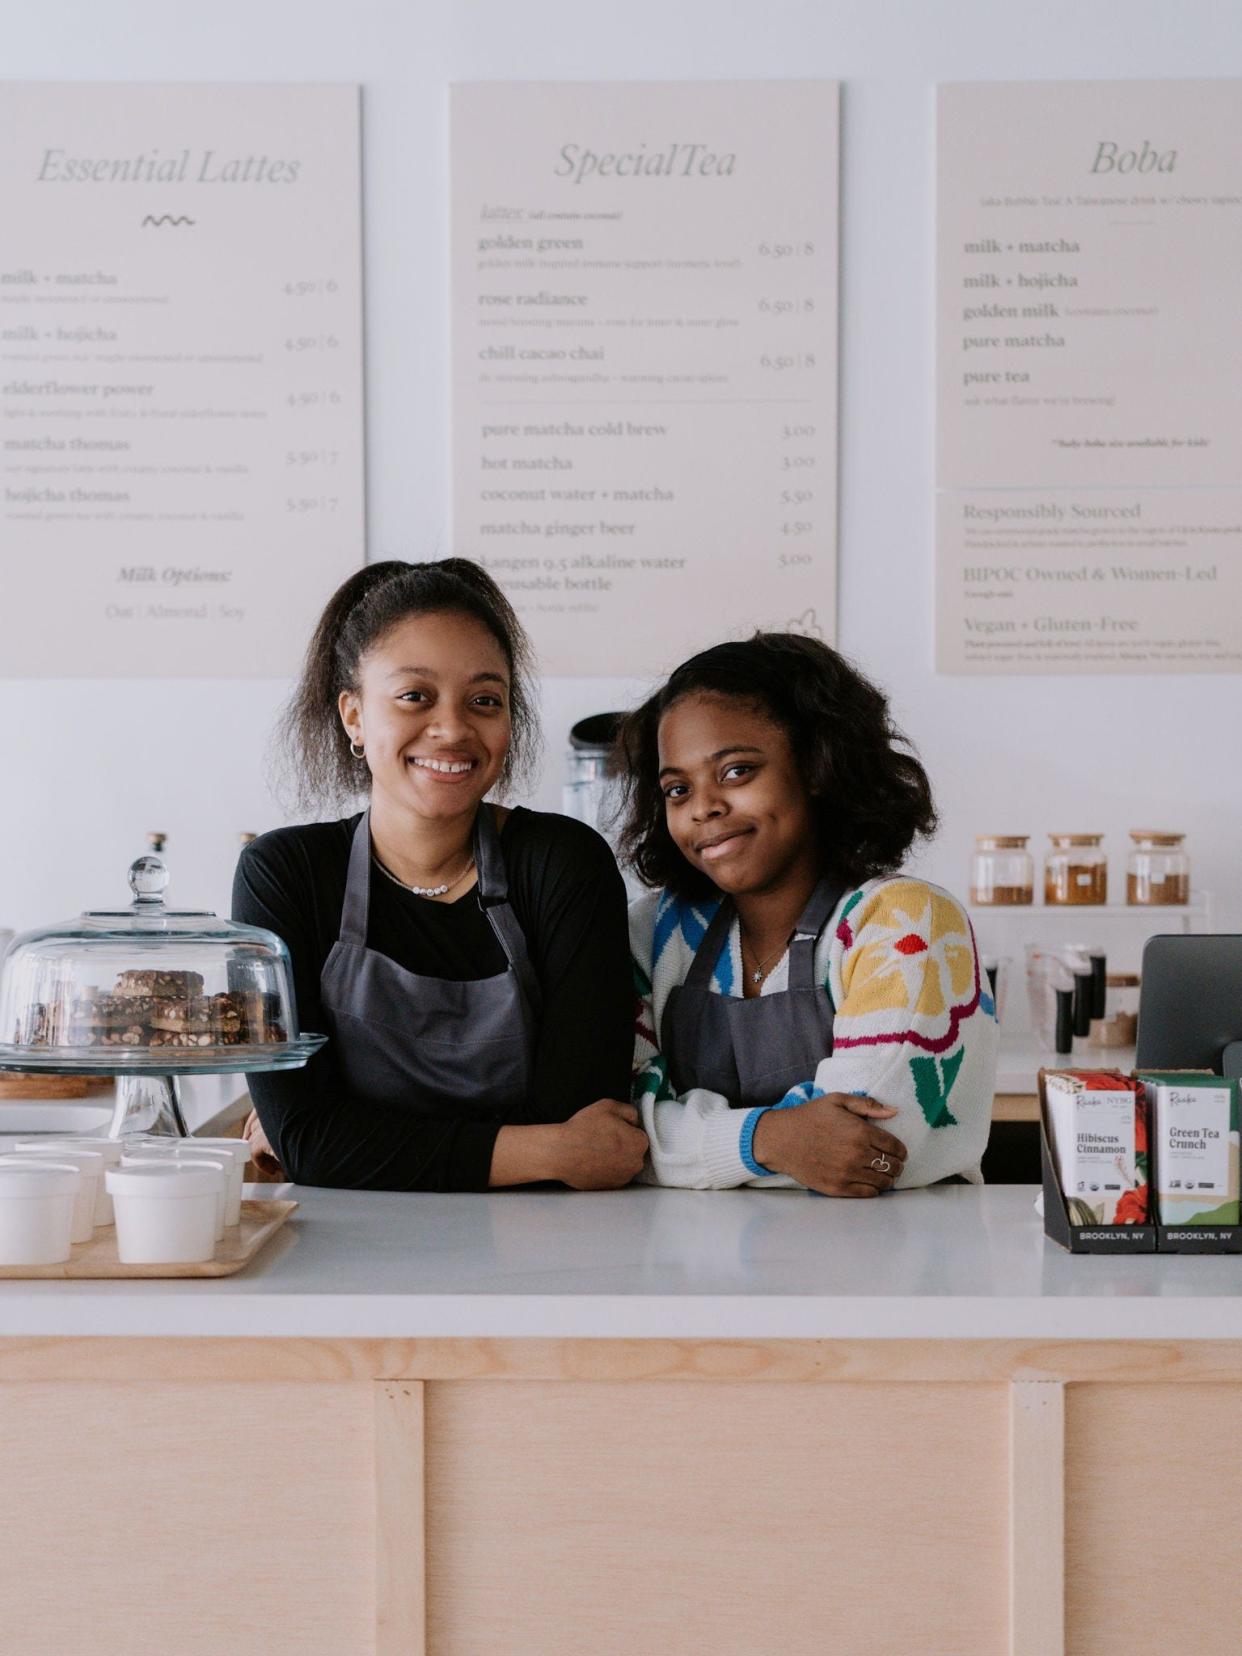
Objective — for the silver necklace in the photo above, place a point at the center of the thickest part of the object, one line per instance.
(423, 891)
(761, 970)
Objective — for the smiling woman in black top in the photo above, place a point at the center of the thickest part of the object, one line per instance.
(469, 964)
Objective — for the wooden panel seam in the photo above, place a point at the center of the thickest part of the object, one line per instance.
(400, 1519)
(1036, 1518)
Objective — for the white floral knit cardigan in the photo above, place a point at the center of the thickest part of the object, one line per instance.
(915, 1029)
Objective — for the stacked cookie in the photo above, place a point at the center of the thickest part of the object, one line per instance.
(150, 1008)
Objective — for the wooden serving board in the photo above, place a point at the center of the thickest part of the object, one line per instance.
(28, 1084)
(97, 1258)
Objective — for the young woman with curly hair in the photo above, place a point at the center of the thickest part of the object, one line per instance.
(808, 1015)
(469, 963)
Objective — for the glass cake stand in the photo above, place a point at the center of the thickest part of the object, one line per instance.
(188, 994)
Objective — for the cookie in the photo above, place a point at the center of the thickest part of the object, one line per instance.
(34, 1031)
(112, 1011)
(163, 985)
(134, 1036)
(180, 1017)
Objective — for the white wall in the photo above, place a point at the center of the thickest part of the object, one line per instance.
(87, 767)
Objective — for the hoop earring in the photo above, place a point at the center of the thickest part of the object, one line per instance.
(358, 752)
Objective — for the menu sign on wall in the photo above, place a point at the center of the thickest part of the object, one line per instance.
(644, 361)
(180, 375)
(1090, 405)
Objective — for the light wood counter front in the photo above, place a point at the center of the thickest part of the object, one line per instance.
(355, 1448)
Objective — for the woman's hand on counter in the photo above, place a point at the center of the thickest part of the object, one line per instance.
(829, 1144)
(601, 1147)
(261, 1152)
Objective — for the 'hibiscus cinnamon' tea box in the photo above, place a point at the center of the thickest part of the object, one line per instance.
(1195, 1147)
(1096, 1122)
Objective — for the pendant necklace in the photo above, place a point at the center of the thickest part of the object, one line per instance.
(761, 970)
(423, 891)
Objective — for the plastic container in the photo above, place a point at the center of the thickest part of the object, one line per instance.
(1119, 1025)
(109, 1149)
(1053, 968)
(165, 1212)
(144, 1156)
(1075, 871)
(238, 1153)
(996, 969)
(36, 1212)
(1002, 871)
(1157, 869)
(90, 1164)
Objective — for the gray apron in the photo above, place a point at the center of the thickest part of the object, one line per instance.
(400, 1038)
(751, 1051)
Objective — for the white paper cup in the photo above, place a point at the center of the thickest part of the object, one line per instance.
(91, 1166)
(109, 1149)
(36, 1212)
(238, 1152)
(166, 1212)
(150, 1156)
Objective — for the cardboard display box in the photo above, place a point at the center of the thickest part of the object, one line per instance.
(1122, 1239)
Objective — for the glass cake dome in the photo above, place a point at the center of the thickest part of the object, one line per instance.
(149, 991)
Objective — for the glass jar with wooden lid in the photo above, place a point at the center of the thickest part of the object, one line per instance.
(1002, 870)
(1075, 870)
(1158, 868)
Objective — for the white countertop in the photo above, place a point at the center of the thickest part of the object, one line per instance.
(953, 1262)
(1022, 1056)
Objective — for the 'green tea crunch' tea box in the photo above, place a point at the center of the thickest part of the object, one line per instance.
(1195, 1139)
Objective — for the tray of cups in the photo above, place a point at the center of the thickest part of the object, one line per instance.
(97, 1208)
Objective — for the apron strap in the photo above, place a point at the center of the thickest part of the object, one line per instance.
(493, 893)
(811, 922)
(708, 952)
(815, 916)
(358, 885)
(489, 860)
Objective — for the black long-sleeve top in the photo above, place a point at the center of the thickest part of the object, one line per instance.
(569, 899)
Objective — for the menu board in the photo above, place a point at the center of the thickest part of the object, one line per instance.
(1090, 404)
(180, 375)
(644, 361)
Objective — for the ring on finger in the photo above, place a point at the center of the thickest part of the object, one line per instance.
(881, 1163)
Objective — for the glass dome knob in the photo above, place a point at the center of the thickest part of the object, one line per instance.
(148, 880)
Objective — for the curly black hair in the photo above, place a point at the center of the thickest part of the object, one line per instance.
(870, 799)
(312, 748)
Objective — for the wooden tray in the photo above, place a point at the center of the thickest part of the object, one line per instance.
(97, 1258)
(26, 1085)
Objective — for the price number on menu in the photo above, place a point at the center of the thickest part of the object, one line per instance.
(797, 462)
(796, 433)
(797, 526)
(313, 399)
(305, 287)
(797, 497)
(786, 307)
(793, 560)
(302, 504)
(783, 362)
(299, 343)
(786, 249)
(312, 457)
